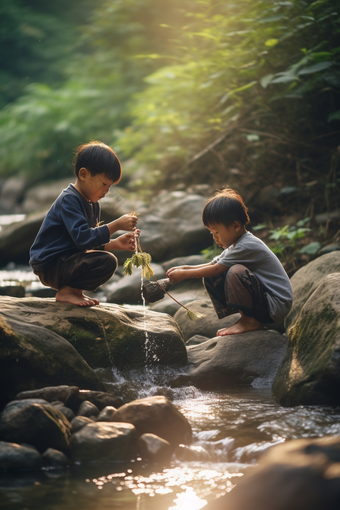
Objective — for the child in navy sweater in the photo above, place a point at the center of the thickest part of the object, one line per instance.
(71, 252)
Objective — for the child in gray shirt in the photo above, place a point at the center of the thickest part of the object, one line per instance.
(247, 277)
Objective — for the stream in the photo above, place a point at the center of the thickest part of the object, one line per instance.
(231, 429)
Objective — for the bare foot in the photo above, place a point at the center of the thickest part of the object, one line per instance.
(241, 326)
(80, 294)
(70, 295)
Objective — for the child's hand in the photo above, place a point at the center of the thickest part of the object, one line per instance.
(127, 222)
(126, 241)
(169, 271)
(176, 274)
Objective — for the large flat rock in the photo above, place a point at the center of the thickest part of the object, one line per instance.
(105, 335)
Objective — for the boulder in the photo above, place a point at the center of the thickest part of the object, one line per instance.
(191, 260)
(306, 280)
(104, 442)
(154, 448)
(17, 238)
(63, 393)
(11, 193)
(99, 399)
(54, 458)
(156, 415)
(184, 294)
(310, 371)
(106, 414)
(67, 412)
(79, 422)
(42, 196)
(15, 456)
(128, 289)
(196, 340)
(88, 410)
(32, 357)
(41, 426)
(104, 335)
(223, 362)
(303, 474)
(208, 325)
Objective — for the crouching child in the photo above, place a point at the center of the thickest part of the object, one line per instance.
(71, 252)
(247, 277)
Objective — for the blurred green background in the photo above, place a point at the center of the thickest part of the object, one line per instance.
(212, 92)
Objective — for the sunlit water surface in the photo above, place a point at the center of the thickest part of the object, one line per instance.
(230, 430)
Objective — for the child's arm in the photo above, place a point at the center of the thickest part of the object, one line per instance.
(125, 222)
(176, 274)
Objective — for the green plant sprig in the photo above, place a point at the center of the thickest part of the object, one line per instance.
(143, 260)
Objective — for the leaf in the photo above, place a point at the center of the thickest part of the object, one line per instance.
(334, 116)
(193, 316)
(253, 138)
(266, 80)
(284, 77)
(316, 68)
(271, 42)
(311, 248)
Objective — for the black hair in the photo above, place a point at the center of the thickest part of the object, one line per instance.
(98, 158)
(225, 207)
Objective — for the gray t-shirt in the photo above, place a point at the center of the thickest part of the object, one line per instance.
(251, 252)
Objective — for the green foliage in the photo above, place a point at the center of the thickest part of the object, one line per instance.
(142, 260)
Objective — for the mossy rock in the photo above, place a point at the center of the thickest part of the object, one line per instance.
(310, 371)
(105, 335)
(306, 280)
(32, 357)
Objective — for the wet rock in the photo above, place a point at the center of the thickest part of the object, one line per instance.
(207, 325)
(196, 340)
(192, 453)
(306, 280)
(67, 412)
(15, 456)
(17, 238)
(128, 289)
(12, 290)
(106, 414)
(223, 362)
(156, 415)
(54, 458)
(310, 371)
(42, 426)
(11, 193)
(79, 422)
(329, 248)
(65, 394)
(88, 410)
(154, 448)
(303, 474)
(183, 296)
(32, 357)
(104, 442)
(105, 336)
(99, 399)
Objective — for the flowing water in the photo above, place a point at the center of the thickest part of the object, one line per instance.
(230, 430)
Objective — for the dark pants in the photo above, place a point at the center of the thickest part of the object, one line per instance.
(85, 271)
(238, 290)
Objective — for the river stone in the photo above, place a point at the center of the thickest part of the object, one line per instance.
(79, 422)
(183, 296)
(310, 371)
(154, 448)
(106, 335)
(106, 414)
(306, 280)
(88, 410)
(11, 192)
(196, 340)
(104, 442)
(208, 325)
(156, 415)
(99, 399)
(17, 238)
(42, 196)
(128, 289)
(12, 290)
(54, 458)
(303, 474)
(16, 456)
(32, 357)
(223, 362)
(67, 412)
(42, 426)
(63, 393)
(191, 260)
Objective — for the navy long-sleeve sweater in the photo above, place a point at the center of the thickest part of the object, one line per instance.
(69, 227)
